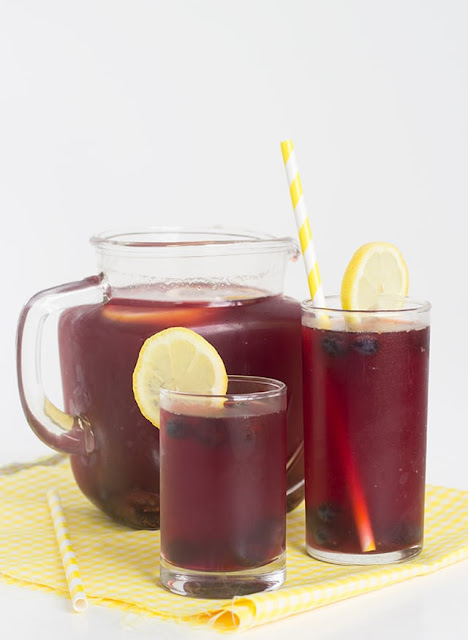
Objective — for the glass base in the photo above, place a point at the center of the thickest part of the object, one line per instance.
(213, 584)
(390, 557)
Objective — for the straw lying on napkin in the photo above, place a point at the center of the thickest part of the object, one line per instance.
(120, 568)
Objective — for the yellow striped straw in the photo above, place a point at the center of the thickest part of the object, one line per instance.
(70, 565)
(303, 224)
(318, 299)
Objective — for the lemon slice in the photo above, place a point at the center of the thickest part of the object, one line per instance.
(376, 274)
(182, 360)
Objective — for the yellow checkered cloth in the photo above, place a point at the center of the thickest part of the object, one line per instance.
(119, 566)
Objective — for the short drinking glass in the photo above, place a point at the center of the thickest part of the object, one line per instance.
(365, 410)
(223, 489)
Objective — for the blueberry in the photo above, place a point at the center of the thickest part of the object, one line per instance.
(327, 512)
(319, 525)
(366, 345)
(262, 543)
(321, 535)
(211, 435)
(334, 346)
(406, 534)
(175, 428)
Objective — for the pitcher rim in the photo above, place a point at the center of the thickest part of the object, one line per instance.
(217, 236)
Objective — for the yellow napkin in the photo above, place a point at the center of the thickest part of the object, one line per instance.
(119, 566)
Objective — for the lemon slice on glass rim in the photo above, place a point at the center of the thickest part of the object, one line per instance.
(376, 277)
(181, 360)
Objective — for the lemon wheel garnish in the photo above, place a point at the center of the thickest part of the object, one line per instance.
(376, 274)
(182, 360)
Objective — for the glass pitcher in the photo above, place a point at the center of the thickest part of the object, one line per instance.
(226, 285)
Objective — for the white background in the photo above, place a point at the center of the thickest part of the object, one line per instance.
(119, 113)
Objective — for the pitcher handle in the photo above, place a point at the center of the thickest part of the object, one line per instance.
(59, 430)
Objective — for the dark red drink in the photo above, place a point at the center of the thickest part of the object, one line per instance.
(223, 490)
(223, 487)
(99, 346)
(365, 410)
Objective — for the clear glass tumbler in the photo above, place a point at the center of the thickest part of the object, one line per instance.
(223, 489)
(365, 410)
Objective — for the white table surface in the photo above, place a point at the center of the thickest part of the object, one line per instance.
(433, 606)
(430, 607)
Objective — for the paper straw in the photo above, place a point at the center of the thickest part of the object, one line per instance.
(70, 565)
(361, 513)
(303, 224)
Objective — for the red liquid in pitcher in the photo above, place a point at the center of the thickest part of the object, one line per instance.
(99, 346)
(223, 489)
(365, 396)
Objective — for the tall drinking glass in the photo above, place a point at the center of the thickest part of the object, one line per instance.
(223, 489)
(365, 410)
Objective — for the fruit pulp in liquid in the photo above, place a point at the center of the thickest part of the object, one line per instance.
(223, 489)
(99, 346)
(365, 409)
